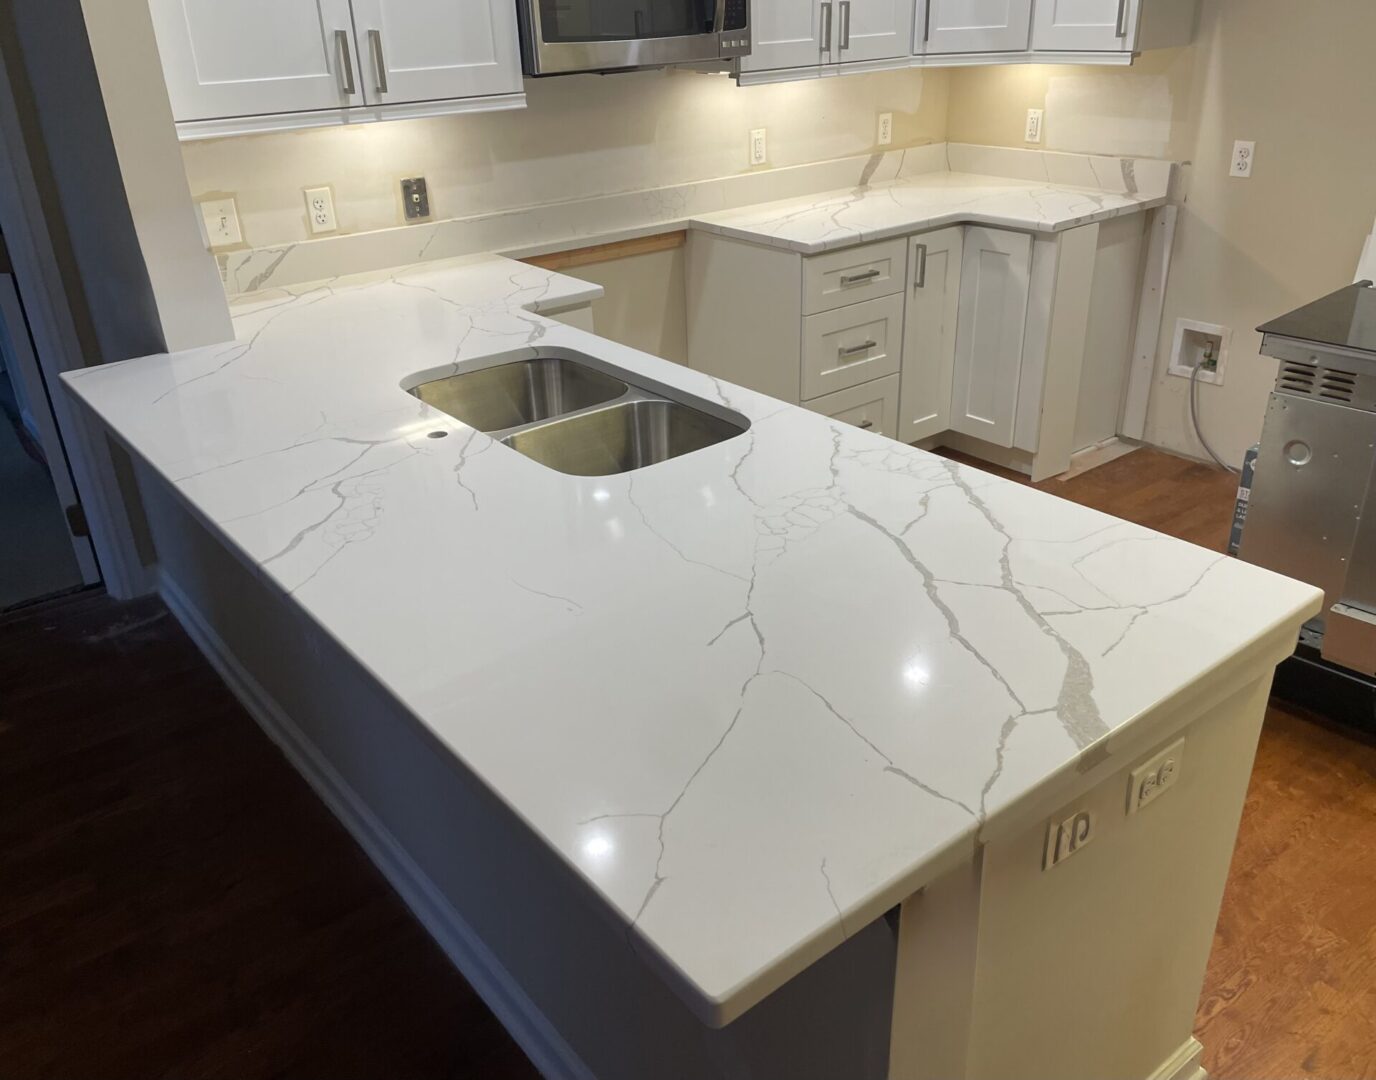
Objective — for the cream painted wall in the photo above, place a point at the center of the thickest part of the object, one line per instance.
(580, 136)
(1297, 79)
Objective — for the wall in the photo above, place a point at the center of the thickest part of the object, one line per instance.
(1295, 78)
(580, 136)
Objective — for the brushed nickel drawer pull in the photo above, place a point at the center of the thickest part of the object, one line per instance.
(865, 424)
(853, 350)
(853, 279)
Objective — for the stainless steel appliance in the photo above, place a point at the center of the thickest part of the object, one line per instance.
(559, 37)
(1312, 507)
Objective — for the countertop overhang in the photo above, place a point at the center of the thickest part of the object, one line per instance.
(755, 695)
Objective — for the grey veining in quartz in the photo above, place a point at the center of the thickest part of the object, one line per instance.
(836, 657)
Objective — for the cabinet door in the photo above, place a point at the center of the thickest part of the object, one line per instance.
(995, 273)
(872, 29)
(929, 334)
(255, 57)
(430, 50)
(1083, 25)
(790, 33)
(962, 26)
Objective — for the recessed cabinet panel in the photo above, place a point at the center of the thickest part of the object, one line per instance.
(254, 57)
(872, 406)
(426, 50)
(961, 26)
(872, 29)
(851, 345)
(791, 33)
(850, 275)
(929, 334)
(995, 276)
(1084, 25)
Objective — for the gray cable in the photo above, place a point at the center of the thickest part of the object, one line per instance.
(1194, 417)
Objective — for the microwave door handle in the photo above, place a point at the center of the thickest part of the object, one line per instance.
(719, 19)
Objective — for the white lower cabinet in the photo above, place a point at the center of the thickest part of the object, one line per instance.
(872, 406)
(851, 345)
(995, 278)
(929, 333)
(978, 334)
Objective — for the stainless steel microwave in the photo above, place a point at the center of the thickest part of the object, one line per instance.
(559, 37)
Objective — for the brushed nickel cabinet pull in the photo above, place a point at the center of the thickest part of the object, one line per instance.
(379, 61)
(921, 267)
(346, 61)
(1119, 25)
(853, 350)
(845, 24)
(852, 279)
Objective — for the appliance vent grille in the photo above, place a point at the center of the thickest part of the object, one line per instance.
(1297, 379)
(1336, 385)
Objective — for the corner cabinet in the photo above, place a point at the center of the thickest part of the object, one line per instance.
(307, 63)
(1003, 344)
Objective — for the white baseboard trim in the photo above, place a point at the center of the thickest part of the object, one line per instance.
(1183, 1064)
(533, 1032)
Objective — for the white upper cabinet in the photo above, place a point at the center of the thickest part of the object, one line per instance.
(1084, 25)
(972, 26)
(235, 66)
(428, 50)
(789, 34)
(873, 29)
(253, 57)
(995, 283)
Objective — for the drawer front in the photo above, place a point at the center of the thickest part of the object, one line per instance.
(851, 275)
(872, 406)
(852, 345)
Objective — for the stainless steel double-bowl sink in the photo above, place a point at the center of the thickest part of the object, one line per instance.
(577, 415)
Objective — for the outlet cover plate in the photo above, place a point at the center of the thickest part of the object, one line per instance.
(415, 198)
(1244, 156)
(320, 210)
(1033, 134)
(758, 148)
(1155, 776)
(885, 136)
(221, 219)
(1064, 838)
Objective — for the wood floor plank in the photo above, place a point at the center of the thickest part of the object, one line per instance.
(175, 901)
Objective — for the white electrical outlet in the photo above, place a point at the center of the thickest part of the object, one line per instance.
(1034, 126)
(1149, 780)
(320, 210)
(221, 219)
(885, 128)
(757, 147)
(1243, 155)
(1064, 838)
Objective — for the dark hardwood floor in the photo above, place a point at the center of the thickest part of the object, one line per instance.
(174, 900)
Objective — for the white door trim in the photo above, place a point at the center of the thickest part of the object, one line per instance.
(59, 349)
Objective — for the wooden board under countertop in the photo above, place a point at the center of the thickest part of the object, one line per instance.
(600, 253)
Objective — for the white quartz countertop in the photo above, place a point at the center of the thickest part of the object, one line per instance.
(755, 695)
(811, 224)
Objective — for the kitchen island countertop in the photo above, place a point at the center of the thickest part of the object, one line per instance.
(754, 696)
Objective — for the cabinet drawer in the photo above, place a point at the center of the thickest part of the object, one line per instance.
(852, 345)
(872, 405)
(838, 278)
